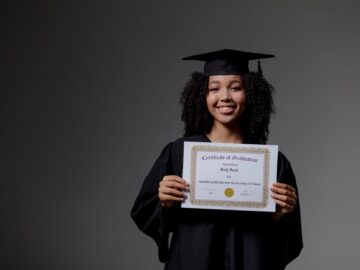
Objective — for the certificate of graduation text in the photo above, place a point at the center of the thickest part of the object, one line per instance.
(230, 176)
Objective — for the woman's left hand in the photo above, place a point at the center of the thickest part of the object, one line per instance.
(285, 198)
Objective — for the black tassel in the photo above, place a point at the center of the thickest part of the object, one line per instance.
(259, 68)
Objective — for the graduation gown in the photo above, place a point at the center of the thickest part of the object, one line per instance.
(199, 239)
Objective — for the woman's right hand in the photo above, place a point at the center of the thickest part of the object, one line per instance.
(171, 190)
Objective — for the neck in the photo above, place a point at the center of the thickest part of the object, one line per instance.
(225, 134)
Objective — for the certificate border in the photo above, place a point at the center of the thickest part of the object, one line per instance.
(224, 203)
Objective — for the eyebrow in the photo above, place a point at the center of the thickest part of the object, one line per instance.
(231, 82)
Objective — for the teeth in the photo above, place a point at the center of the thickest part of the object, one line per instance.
(226, 108)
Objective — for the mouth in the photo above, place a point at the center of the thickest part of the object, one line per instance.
(226, 108)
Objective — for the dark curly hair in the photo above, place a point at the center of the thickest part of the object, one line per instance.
(255, 120)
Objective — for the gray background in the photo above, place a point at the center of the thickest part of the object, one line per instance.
(89, 96)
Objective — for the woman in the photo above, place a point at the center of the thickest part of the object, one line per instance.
(225, 103)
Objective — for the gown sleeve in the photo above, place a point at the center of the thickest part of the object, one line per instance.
(287, 242)
(147, 212)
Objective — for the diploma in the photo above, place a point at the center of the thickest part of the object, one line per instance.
(230, 176)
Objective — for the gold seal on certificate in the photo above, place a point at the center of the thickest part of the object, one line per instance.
(230, 176)
(229, 192)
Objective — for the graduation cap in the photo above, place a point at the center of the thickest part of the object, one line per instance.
(228, 62)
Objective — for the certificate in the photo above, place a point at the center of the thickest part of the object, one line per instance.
(230, 176)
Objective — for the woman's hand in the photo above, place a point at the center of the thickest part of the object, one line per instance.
(285, 198)
(171, 190)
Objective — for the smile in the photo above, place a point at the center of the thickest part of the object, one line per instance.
(226, 109)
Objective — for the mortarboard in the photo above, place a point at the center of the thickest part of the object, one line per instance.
(228, 62)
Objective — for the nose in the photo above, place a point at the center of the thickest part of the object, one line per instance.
(225, 95)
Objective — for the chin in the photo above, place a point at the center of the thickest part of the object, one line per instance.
(227, 122)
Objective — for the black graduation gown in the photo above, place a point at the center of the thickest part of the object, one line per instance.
(215, 239)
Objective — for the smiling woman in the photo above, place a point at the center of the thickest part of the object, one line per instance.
(253, 121)
(226, 103)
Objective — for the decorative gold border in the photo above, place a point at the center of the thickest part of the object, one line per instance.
(245, 150)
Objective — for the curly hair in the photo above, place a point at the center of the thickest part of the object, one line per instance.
(255, 120)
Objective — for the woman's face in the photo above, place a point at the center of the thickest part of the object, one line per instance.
(226, 98)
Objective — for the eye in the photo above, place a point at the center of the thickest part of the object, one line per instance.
(236, 88)
(213, 89)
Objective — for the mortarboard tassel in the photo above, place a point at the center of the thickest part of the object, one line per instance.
(259, 68)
